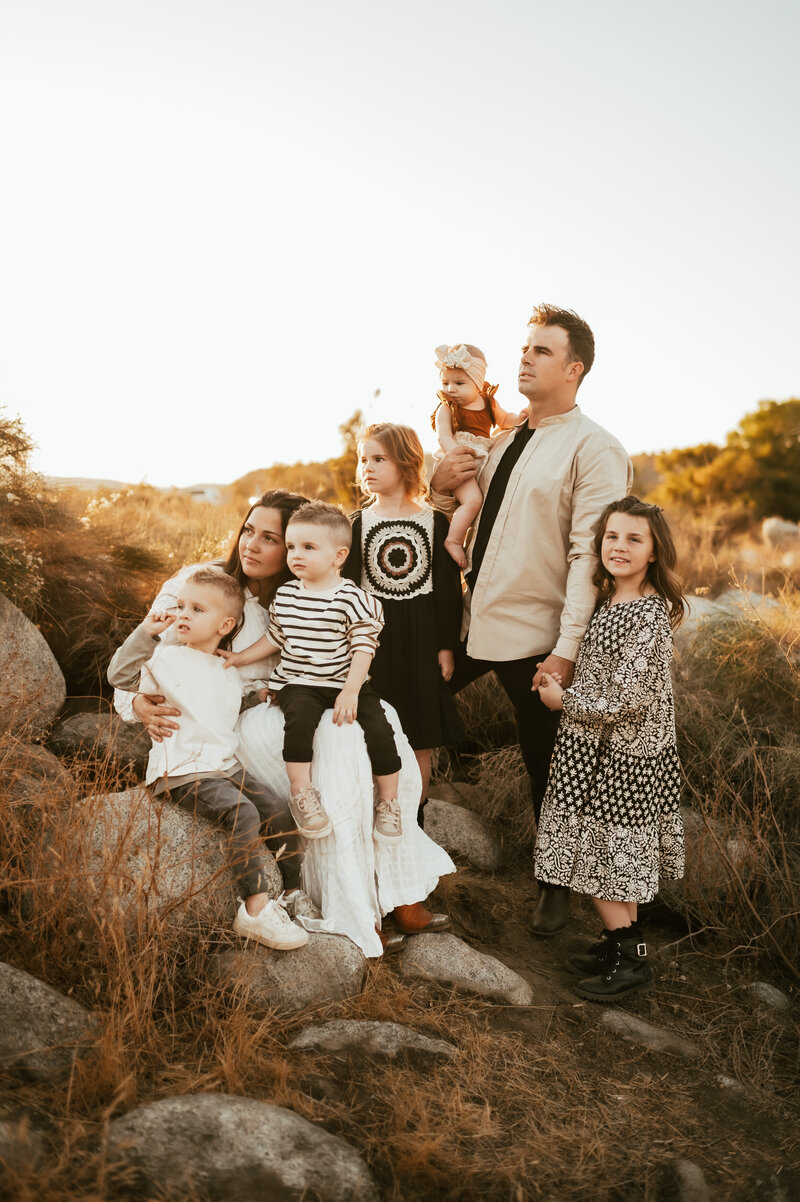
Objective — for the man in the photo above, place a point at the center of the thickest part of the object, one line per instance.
(530, 559)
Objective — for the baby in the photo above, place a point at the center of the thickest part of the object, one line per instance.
(465, 415)
(326, 630)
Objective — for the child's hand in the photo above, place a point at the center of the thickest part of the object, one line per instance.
(551, 692)
(230, 657)
(447, 664)
(158, 621)
(345, 707)
(263, 694)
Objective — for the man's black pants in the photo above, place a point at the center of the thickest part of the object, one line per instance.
(537, 726)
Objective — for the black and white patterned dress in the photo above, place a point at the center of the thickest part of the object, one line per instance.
(403, 562)
(611, 824)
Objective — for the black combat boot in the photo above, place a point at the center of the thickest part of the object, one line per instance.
(625, 968)
(552, 910)
(591, 962)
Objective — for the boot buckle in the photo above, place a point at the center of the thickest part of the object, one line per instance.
(641, 949)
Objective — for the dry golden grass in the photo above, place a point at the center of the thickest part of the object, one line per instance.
(539, 1103)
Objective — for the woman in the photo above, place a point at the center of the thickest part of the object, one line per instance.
(352, 879)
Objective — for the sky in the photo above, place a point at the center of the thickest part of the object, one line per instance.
(224, 224)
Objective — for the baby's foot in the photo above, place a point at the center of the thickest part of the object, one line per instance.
(455, 551)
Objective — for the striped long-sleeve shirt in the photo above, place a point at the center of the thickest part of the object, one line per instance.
(319, 632)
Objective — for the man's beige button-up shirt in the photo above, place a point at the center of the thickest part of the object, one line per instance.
(534, 591)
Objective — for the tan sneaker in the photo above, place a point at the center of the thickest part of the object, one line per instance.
(309, 816)
(388, 827)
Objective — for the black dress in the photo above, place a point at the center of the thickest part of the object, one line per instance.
(403, 562)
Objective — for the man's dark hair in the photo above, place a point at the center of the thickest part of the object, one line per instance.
(580, 339)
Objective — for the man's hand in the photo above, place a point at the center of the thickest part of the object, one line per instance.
(551, 692)
(155, 716)
(345, 706)
(158, 621)
(458, 466)
(447, 664)
(562, 669)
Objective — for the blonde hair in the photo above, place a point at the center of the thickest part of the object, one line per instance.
(218, 578)
(328, 517)
(403, 447)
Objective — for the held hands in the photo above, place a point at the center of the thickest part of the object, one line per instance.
(551, 692)
(345, 707)
(158, 621)
(562, 670)
(447, 664)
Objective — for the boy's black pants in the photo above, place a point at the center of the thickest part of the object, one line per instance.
(303, 706)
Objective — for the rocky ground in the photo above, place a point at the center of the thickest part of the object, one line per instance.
(464, 1067)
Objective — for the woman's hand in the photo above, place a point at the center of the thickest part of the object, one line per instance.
(458, 466)
(447, 664)
(155, 716)
(551, 692)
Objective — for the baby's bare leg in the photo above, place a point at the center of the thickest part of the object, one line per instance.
(470, 499)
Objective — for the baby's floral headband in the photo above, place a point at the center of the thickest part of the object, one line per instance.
(460, 358)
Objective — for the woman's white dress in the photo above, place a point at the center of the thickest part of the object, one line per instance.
(351, 878)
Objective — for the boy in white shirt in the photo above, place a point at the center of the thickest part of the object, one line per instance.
(198, 767)
(326, 629)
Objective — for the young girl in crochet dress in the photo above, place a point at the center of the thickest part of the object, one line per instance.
(465, 415)
(398, 553)
(611, 824)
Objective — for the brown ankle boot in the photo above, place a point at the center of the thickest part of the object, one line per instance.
(414, 919)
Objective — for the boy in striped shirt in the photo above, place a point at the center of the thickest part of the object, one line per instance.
(326, 630)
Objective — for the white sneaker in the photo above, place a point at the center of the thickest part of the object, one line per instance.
(309, 814)
(272, 927)
(298, 904)
(388, 826)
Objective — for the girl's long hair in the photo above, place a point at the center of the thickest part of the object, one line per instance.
(403, 446)
(285, 503)
(661, 573)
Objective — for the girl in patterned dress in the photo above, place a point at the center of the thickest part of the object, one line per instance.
(466, 414)
(398, 555)
(611, 824)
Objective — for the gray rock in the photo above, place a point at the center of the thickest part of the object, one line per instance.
(328, 968)
(364, 1040)
(449, 961)
(690, 1182)
(459, 793)
(762, 991)
(21, 1147)
(725, 1082)
(636, 1030)
(780, 534)
(42, 1032)
(463, 833)
(31, 773)
(103, 736)
(144, 850)
(235, 1150)
(32, 687)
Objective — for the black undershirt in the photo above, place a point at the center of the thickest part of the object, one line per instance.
(494, 499)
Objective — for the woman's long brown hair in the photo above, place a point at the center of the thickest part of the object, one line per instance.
(661, 573)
